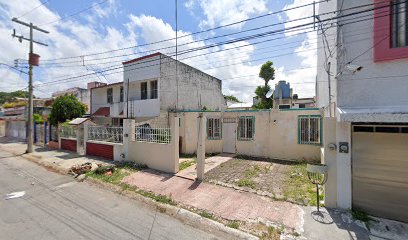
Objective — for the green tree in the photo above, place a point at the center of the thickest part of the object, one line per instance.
(231, 98)
(38, 118)
(10, 96)
(65, 108)
(267, 73)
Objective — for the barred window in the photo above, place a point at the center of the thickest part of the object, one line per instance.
(399, 26)
(214, 128)
(121, 94)
(109, 94)
(246, 128)
(309, 129)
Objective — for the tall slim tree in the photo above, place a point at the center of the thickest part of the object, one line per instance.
(267, 73)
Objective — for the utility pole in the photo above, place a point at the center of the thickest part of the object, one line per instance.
(33, 60)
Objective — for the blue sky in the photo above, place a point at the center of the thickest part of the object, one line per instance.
(118, 23)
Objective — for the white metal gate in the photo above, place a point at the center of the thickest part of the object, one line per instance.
(229, 133)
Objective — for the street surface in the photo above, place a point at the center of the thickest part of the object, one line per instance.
(57, 207)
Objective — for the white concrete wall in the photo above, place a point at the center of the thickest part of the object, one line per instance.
(99, 99)
(377, 85)
(141, 70)
(322, 90)
(158, 156)
(16, 129)
(276, 135)
(373, 86)
(195, 88)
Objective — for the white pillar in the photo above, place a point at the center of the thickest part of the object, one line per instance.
(59, 135)
(344, 178)
(201, 147)
(175, 132)
(86, 129)
(329, 155)
(128, 136)
(78, 138)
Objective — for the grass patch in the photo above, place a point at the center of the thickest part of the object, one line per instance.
(298, 188)
(185, 164)
(250, 173)
(206, 214)
(360, 215)
(246, 182)
(157, 197)
(233, 224)
(271, 234)
(130, 165)
(115, 178)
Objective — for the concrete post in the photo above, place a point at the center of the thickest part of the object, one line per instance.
(343, 134)
(86, 129)
(175, 132)
(328, 157)
(59, 135)
(201, 147)
(78, 139)
(128, 136)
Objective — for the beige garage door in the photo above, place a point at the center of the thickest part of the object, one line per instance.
(380, 174)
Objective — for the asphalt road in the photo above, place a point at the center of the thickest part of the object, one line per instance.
(57, 207)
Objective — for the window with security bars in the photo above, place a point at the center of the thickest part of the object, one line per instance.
(121, 94)
(399, 28)
(309, 129)
(246, 128)
(153, 89)
(109, 94)
(214, 128)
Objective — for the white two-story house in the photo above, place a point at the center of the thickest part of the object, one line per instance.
(362, 85)
(151, 88)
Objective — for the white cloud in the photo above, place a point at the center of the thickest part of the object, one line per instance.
(227, 11)
(153, 29)
(67, 38)
(299, 13)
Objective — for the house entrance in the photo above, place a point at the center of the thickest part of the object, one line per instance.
(229, 133)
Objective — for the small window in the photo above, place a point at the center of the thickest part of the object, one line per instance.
(309, 129)
(399, 24)
(143, 90)
(302, 105)
(153, 89)
(363, 129)
(284, 106)
(246, 128)
(109, 94)
(214, 128)
(121, 94)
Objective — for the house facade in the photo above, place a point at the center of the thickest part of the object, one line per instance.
(151, 88)
(362, 87)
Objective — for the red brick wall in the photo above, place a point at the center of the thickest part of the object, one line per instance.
(99, 150)
(69, 144)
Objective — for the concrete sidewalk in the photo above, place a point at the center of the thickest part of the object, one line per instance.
(220, 201)
(58, 160)
(210, 163)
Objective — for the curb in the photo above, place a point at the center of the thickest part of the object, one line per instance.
(185, 216)
(36, 158)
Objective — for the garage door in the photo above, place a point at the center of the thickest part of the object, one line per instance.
(380, 173)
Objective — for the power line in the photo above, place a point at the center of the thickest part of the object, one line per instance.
(104, 71)
(33, 9)
(190, 34)
(76, 13)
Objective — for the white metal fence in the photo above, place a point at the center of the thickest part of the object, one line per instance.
(146, 133)
(105, 134)
(67, 131)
